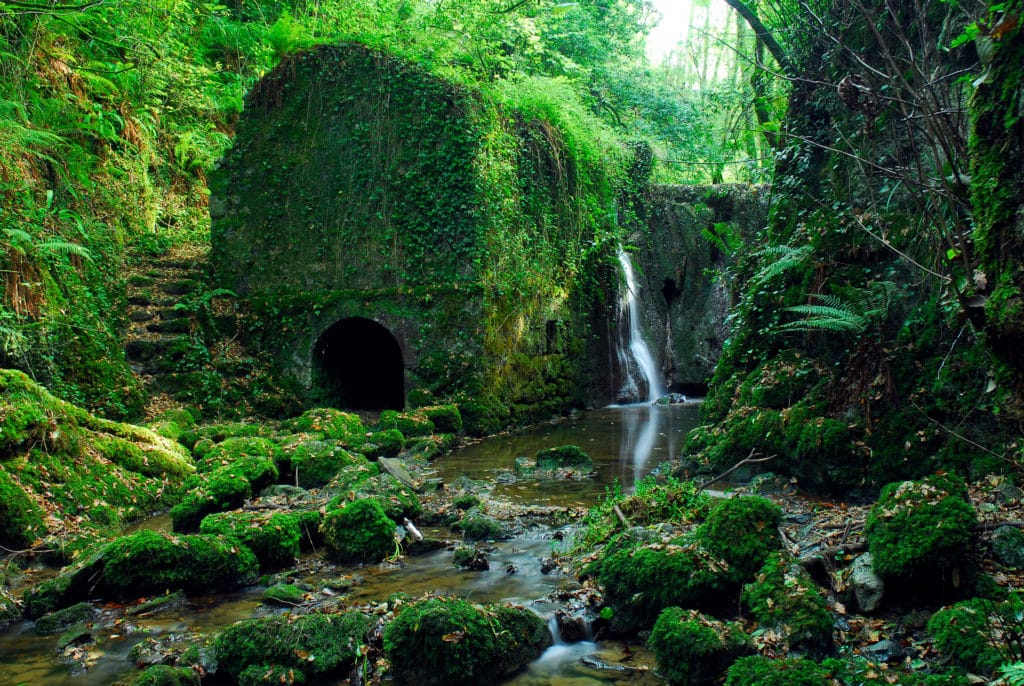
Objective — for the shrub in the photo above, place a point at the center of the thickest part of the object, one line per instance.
(784, 596)
(147, 562)
(359, 532)
(312, 644)
(763, 671)
(742, 531)
(450, 641)
(273, 537)
(692, 648)
(920, 528)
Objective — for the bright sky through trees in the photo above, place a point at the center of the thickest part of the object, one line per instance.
(675, 23)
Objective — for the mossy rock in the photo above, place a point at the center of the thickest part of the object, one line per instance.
(272, 536)
(216, 433)
(332, 424)
(147, 563)
(257, 458)
(349, 477)
(313, 644)
(359, 532)
(411, 424)
(477, 526)
(62, 620)
(74, 583)
(763, 671)
(921, 530)
(564, 457)
(398, 500)
(270, 675)
(640, 581)
(446, 418)
(287, 595)
(444, 641)
(172, 423)
(742, 531)
(469, 557)
(165, 675)
(315, 463)
(220, 490)
(21, 518)
(784, 596)
(969, 632)
(693, 649)
(383, 443)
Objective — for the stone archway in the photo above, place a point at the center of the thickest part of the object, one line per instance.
(357, 364)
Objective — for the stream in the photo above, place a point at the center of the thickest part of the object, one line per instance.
(625, 443)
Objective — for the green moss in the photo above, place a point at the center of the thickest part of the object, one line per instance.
(920, 529)
(314, 644)
(449, 641)
(21, 518)
(288, 595)
(165, 675)
(785, 597)
(742, 532)
(257, 458)
(640, 581)
(477, 526)
(692, 648)
(315, 463)
(411, 424)
(468, 557)
(383, 443)
(62, 620)
(218, 491)
(260, 675)
(272, 536)
(763, 671)
(334, 425)
(564, 457)
(465, 502)
(147, 562)
(398, 500)
(446, 418)
(360, 531)
(975, 634)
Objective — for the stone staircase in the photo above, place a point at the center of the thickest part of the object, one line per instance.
(159, 333)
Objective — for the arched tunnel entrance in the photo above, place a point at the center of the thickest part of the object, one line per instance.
(357, 364)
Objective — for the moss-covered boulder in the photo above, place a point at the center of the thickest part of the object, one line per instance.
(382, 443)
(641, 580)
(359, 532)
(476, 525)
(764, 671)
(974, 633)
(287, 595)
(314, 463)
(313, 644)
(62, 620)
(692, 649)
(446, 642)
(165, 675)
(220, 490)
(65, 471)
(411, 424)
(270, 675)
(921, 531)
(446, 418)
(250, 453)
(784, 597)
(742, 531)
(564, 457)
(147, 563)
(330, 423)
(399, 501)
(273, 536)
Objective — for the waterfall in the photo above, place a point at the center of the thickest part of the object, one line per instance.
(635, 358)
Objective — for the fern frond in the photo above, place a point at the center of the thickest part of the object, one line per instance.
(56, 246)
(824, 318)
(781, 258)
(1013, 674)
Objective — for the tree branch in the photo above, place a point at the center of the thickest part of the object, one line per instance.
(32, 7)
(765, 36)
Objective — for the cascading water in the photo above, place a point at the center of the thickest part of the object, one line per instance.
(635, 359)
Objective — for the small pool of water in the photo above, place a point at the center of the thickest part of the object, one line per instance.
(626, 443)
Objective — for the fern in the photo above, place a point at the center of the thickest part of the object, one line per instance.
(56, 246)
(855, 311)
(779, 258)
(1013, 674)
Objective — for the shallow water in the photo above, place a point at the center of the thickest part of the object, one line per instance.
(643, 436)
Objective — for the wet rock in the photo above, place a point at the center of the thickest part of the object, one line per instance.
(284, 595)
(1008, 546)
(395, 469)
(1008, 494)
(62, 620)
(470, 558)
(885, 650)
(426, 545)
(77, 635)
(572, 628)
(868, 588)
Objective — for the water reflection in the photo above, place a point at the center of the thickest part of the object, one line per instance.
(626, 442)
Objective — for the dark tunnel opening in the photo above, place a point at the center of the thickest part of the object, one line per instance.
(357, 364)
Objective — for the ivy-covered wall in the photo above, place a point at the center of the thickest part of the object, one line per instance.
(363, 186)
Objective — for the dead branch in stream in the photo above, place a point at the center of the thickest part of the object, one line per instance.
(749, 459)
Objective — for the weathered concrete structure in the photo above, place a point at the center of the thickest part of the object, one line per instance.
(391, 232)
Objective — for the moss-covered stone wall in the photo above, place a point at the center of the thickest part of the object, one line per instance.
(363, 186)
